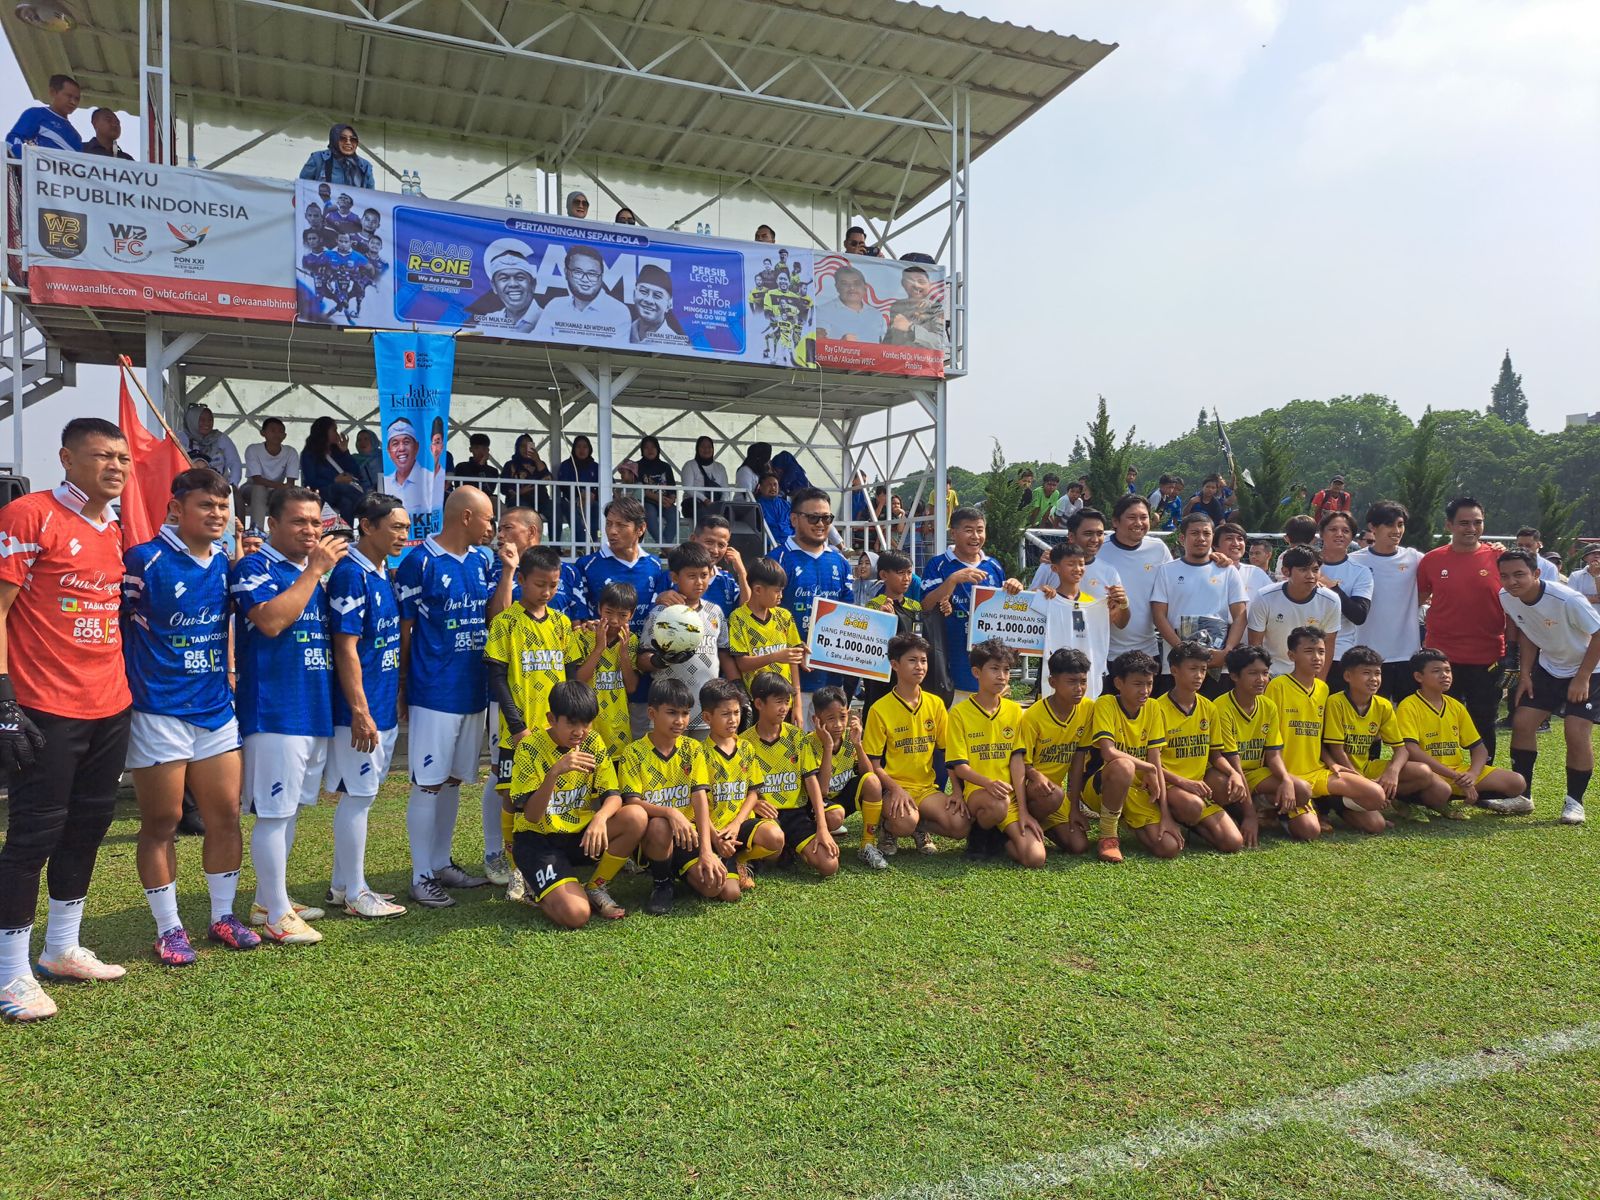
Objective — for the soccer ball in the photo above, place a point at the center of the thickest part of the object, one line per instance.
(676, 633)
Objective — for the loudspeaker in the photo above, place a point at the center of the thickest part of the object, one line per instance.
(748, 529)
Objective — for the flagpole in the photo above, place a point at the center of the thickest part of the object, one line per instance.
(127, 370)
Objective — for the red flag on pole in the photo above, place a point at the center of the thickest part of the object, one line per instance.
(157, 459)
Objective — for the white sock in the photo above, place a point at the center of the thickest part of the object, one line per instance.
(350, 844)
(223, 886)
(444, 824)
(163, 902)
(14, 945)
(492, 843)
(269, 854)
(420, 810)
(61, 930)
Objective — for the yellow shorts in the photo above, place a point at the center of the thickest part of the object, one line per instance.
(1138, 810)
(1455, 789)
(1375, 768)
(1319, 783)
(919, 794)
(1209, 809)
(1256, 776)
(1060, 817)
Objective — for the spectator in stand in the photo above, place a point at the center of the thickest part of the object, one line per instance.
(625, 217)
(1586, 579)
(766, 234)
(1460, 582)
(478, 467)
(1332, 498)
(1166, 506)
(48, 126)
(1229, 498)
(774, 509)
(580, 506)
(525, 464)
(210, 447)
(660, 492)
(339, 164)
(369, 461)
(327, 468)
(1068, 504)
(1208, 500)
(1531, 540)
(1025, 486)
(706, 476)
(269, 465)
(1040, 512)
(107, 129)
(1132, 480)
(578, 206)
(757, 462)
(855, 240)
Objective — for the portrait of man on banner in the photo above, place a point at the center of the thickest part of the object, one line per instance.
(415, 373)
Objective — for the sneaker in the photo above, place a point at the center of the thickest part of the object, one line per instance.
(370, 904)
(1572, 811)
(747, 877)
(258, 915)
(497, 868)
(1453, 813)
(923, 841)
(1509, 806)
(191, 824)
(871, 856)
(632, 866)
(337, 898)
(233, 933)
(291, 931)
(80, 964)
(601, 901)
(454, 877)
(888, 844)
(427, 892)
(517, 888)
(173, 948)
(24, 1000)
(660, 902)
(1110, 850)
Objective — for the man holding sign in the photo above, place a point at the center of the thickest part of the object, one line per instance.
(947, 583)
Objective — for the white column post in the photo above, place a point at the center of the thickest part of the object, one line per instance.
(941, 518)
(602, 452)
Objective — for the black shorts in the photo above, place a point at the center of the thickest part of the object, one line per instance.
(547, 860)
(799, 827)
(1398, 681)
(1550, 695)
(846, 799)
(748, 831)
(503, 757)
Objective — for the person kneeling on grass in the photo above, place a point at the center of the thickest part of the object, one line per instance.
(1193, 740)
(1300, 698)
(569, 811)
(982, 741)
(1128, 782)
(1358, 723)
(905, 740)
(1249, 764)
(741, 835)
(851, 783)
(792, 766)
(1052, 730)
(1440, 734)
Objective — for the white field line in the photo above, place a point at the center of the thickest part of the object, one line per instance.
(1445, 1174)
(1337, 1107)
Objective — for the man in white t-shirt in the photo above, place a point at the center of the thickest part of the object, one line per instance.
(269, 465)
(1136, 557)
(1586, 579)
(1296, 602)
(1531, 540)
(1196, 599)
(1074, 618)
(1394, 622)
(1559, 634)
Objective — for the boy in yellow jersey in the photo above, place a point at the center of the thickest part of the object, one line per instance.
(851, 783)
(792, 769)
(525, 656)
(1441, 736)
(1193, 741)
(735, 777)
(569, 812)
(1300, 697)
(604, 656)
(664, 773)
(1128, 783)
(1358, 723)
(984, 738)
(760, 633)
(1250, 744)
(1052, 730)
(905, 742)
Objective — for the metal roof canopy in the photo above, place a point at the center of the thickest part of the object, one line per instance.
(848, 97)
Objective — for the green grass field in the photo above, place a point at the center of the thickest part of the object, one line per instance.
(873, 1034)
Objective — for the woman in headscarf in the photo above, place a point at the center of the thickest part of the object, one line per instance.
(757, 462)
(703, 471)
(326, 467)
(525, 463)
(578, 205)
(339, 163)
(660, 498)
(580, 467)
(369, 460)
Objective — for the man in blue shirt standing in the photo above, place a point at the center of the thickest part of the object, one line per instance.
(949, 578)
(365, 620)
(285, 695)
(49, 126)
(446, 604)
(183, 732)
(622, 559)
(815, 570)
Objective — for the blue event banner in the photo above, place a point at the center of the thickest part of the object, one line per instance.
(415, 374)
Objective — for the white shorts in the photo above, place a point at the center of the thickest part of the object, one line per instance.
(154, 739)
(443, 746)
(282, 772)
(352, 772)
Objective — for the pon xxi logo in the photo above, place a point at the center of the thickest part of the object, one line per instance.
(189, 236)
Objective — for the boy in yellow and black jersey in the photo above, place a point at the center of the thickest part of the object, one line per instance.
(1250, 744)
(791, 764)
(851, 783)
(742, 836)
(761, 635)
(604, 657)
(1357, 724)
(1128, 784)
(1440, 735)
(1193, 750)
(905, 741)
(984, 738)
(1053, 729)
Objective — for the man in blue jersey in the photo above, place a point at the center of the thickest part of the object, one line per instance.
(950, 578)
(446, 604)
(285, 695)
(621, 560)
(365, 622)
(814, 569)
(49, 126)
(183, 732)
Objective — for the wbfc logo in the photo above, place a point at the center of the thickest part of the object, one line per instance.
(62, 234)
(129, 242)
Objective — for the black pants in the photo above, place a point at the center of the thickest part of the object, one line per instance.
(1398, 680)
(1478, 688)
(61, 808)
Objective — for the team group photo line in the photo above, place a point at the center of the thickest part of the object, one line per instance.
(698, 719)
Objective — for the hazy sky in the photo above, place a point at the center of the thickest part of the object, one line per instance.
(1251, 201)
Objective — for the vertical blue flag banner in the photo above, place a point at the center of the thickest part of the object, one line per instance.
(415, 372)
